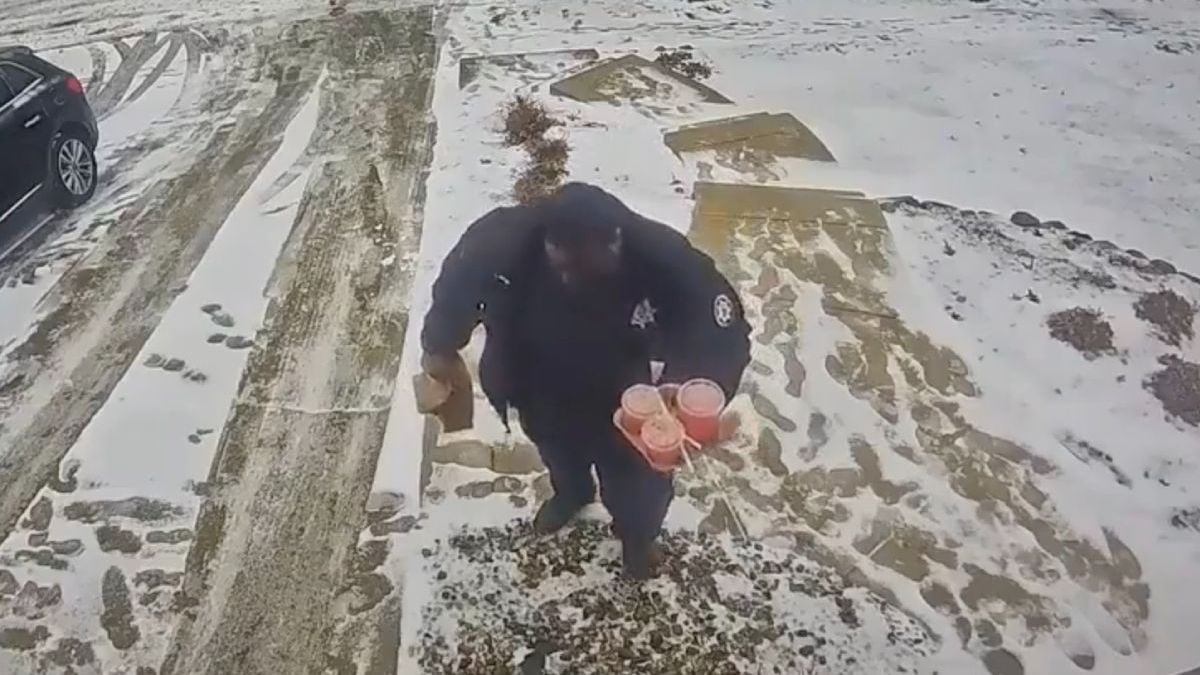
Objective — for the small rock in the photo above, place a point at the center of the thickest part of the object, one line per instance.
(195, 376)
(210, 309)
(38, 539)
(892, 203)
(1158, 266)
(239, 342)
(216, 338)
(1025, 219)
(948, 249)
(194, 439)
(518, 501)
(222, 319)
(1054, 224)
(154, 361)
(174, 365)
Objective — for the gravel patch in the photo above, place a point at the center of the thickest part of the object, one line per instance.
(507, 601)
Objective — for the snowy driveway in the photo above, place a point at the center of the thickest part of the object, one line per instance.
(970, 439)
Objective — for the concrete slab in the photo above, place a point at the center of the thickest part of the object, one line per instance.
(560, 60)
(798, 223)
(629, 77)
(802, 206)
(767, 135)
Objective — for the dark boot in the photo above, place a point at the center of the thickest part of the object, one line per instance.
(554, 514)
(640, 559)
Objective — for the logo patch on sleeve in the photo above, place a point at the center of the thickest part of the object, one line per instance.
(723, 310)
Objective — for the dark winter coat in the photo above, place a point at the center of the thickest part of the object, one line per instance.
(562, 364)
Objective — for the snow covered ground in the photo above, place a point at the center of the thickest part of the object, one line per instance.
(942, 485)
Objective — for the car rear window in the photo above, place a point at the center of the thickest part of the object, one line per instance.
(18, 78)
(5, 93)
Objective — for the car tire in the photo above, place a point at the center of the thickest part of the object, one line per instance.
(72, 169)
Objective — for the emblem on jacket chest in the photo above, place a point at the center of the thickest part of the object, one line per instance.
(643, 315)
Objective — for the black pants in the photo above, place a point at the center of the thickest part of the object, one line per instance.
(635, 495)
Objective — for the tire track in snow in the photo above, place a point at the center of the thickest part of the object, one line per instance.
(132, 60)
(99, 68)
(109, 304)
(152, 78)
(274, 560)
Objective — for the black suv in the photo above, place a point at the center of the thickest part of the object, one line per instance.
(48, 136)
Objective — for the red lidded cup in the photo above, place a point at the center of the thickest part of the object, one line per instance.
(662, 436)
(638, 404)
(700, 404)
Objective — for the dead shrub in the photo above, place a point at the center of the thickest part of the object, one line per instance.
(1177, 386)
(526, 121)
(546, 169)
(1084, 329)
(1170, 314)
(684, 62)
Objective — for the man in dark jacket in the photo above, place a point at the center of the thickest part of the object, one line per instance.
(578, 294)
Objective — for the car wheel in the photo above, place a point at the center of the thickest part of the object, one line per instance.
(73, 165)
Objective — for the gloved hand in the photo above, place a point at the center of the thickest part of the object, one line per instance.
(444, 388)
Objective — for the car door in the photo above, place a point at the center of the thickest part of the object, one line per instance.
(26, 133)
(8, 160)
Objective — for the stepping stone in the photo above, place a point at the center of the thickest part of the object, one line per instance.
(618, 79)
(773, 135)
(469, 67)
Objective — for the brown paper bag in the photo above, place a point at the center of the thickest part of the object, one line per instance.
(453, 402)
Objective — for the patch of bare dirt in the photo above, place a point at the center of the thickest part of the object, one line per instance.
(1170, 314)
(683, 61)
(1177, 386)
(1084, 329)
(782, 614)
(526, 123)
